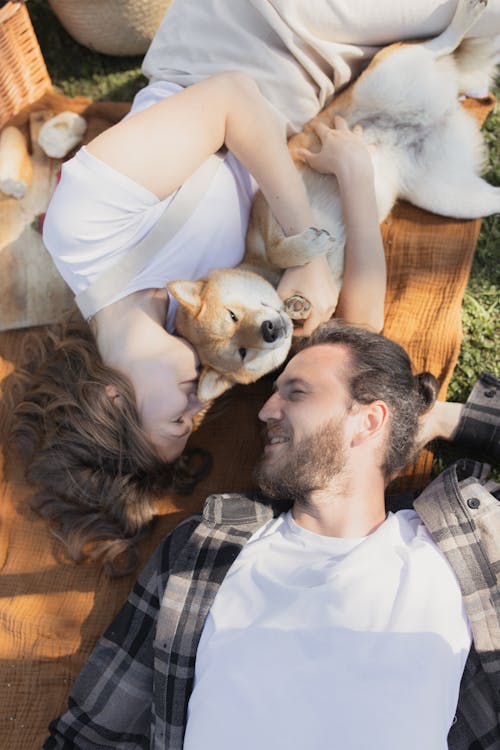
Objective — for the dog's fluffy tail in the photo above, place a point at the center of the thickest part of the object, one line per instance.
(476, 59)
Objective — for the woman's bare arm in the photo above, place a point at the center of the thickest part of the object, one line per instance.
(164, 144)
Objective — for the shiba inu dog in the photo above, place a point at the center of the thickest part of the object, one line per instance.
(238, 325)
(425, 149)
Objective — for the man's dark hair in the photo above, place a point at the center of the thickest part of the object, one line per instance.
(381, 369)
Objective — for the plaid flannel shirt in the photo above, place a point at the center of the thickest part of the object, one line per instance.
(134, 690)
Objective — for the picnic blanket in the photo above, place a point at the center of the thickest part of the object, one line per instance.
(51, 610)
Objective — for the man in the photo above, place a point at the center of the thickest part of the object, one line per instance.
(331, 624)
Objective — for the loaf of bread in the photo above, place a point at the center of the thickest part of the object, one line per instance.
(61, 133)
(15, 163)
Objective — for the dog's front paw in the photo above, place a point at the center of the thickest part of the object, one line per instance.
(285, 252)
(297, 307)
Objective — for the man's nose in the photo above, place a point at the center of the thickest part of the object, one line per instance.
(271, 409)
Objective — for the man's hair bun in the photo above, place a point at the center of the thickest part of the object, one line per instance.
(428, 388)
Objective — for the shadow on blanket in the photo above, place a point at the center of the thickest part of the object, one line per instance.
(52, 611)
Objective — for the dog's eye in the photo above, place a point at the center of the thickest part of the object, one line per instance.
(233, 317)
(243, 353)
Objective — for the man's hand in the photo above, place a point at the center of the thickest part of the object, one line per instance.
(344, 153)
(314, 282)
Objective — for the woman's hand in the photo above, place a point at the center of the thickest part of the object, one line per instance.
(313, 281)
(342, 151)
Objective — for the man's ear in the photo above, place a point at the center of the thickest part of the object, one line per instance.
(212, 384)
(372, 421)
(187, 294)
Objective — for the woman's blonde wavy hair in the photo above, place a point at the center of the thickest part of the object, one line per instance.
(96, 471)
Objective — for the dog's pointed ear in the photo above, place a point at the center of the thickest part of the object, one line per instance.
(212, 384)
(187, 294)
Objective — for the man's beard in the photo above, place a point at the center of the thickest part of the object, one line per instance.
(310, 465)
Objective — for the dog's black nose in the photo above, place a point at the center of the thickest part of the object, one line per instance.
(271, 330)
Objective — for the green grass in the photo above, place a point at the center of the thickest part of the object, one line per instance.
(77, 70)
(481, 307)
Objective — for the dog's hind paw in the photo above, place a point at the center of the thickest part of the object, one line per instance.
(297, 307)
(468, 10)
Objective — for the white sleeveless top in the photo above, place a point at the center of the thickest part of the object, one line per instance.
(97, 214)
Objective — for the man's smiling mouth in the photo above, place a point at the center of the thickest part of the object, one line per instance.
(276, 440)
(275, 436)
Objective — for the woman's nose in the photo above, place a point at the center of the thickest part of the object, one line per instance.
(194, 404)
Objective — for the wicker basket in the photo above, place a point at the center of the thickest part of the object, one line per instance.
(113, 27)
(23, 75)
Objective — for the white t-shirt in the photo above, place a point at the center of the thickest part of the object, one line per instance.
(315, 642)
(97, 214)
(298, 51)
